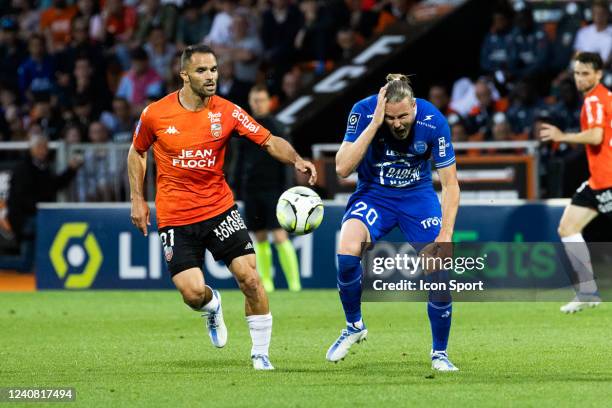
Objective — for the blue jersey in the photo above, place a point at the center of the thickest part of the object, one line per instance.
(403, 164)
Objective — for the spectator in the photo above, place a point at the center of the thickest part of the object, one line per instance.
(119, 122)
(279, 27)
(348, 41)
(140, 81)
(315, 35)
(567, 28)
(85, 84)
(193, 24)
(96, 180)
(160, 52)
(525, 104)
(173, 81)
(458, 128)
(362, 19)
(155, 14)
(292, 82)
(15, 126)
(12, 50)
(119, 21)
(33, 182)
(244, 50)
(28, 16)
(46, 116)
(72, 134)
(597, 37)
(566, 111)
(501, 128)
(88, 11)
(480, 118)
(496, 55)
(37, 72)
(229, 86)
(82, 112)
(55, 24)
(531, 46)
(220, 32)
(80, 46)
(438, 96)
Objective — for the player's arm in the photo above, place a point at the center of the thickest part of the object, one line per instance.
(450, 201)
(282, 151)
(350, 154)
(137, 168)
(593, 136)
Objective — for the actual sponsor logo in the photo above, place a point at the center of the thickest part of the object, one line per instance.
(244, 119)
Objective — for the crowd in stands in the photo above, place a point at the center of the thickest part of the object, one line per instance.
(525, 74)
(70, 68)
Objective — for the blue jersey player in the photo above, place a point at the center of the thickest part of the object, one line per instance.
(389, 140)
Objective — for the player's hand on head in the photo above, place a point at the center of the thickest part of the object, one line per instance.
(305, 166)
(381, 101)
(549, 133)
(141, 215)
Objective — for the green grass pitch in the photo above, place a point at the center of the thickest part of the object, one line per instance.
(148, 349)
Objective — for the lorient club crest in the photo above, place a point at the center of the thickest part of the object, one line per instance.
(215, 130)
(215, 124)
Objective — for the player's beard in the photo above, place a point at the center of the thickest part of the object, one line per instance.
(203, 91)
(401, 133)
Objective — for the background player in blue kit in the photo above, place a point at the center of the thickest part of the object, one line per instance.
(394, 189)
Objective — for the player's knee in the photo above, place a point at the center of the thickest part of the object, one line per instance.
(565, 229)
(194, 295)
(250, 284)
(350, 248)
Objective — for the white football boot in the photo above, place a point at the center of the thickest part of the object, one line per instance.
(348, 337)
(261, 362)
(440, 362)
(217, 331)
(580, 302)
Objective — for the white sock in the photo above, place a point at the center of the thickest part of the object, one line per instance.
(212, 305)
(578, 254)
(358, 324)
(260, 327)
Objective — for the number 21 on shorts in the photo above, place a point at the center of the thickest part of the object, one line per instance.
(361, 210)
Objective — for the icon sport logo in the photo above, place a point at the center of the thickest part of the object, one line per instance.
(76, 255)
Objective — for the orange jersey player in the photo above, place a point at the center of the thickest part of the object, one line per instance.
(189, 131)
(594, 196)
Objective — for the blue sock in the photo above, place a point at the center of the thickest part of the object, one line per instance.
(349, 286)
(440, 315)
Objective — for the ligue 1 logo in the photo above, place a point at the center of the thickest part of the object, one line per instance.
(168, 253)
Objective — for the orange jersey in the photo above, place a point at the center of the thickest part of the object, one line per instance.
(189, 150)
(597, 112)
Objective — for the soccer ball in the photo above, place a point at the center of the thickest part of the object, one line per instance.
(299, 210)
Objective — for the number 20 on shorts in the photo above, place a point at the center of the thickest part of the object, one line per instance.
(370, 216)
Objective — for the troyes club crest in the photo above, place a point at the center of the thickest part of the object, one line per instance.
(215, 124)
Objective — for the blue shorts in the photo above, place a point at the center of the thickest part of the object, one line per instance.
(416, 211)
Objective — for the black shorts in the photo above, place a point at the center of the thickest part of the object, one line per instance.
(260, 210)
(225, 236)
(599, 200)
